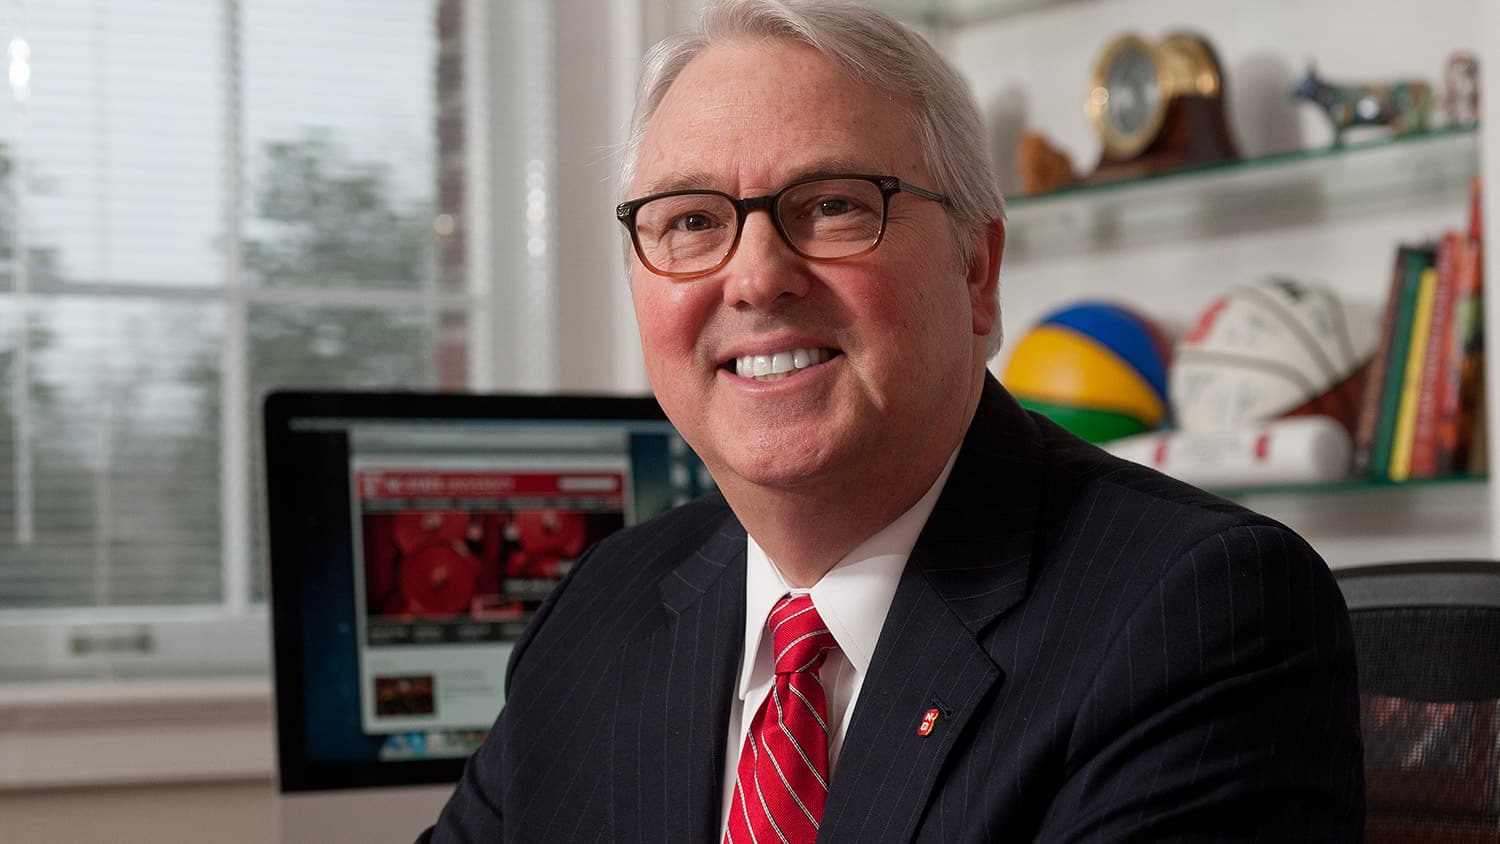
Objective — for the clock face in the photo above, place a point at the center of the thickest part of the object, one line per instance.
(1129, 97)
(1133, 90)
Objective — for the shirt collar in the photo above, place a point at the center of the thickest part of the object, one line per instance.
(852, 598)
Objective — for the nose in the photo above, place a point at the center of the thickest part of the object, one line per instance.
(764, 272)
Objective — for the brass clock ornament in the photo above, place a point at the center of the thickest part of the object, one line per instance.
(1158, 106)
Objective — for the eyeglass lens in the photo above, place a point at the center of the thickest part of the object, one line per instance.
(827, 219)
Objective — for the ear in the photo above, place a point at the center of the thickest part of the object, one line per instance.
(984, 277)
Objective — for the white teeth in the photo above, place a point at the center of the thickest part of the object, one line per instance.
(776, 366)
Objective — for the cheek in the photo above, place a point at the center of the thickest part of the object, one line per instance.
(670, 319)
(921, 296)
(931, 319)
(647, 319)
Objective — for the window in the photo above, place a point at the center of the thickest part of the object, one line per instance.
(199, 202)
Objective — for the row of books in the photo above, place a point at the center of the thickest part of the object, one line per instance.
(1421, 410)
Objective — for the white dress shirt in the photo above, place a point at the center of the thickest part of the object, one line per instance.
(852, 599)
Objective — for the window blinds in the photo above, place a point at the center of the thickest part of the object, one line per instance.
(213, 200)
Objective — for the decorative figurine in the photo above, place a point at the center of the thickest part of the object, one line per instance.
(1403, 106)
(1461, 89)
(1044, 168)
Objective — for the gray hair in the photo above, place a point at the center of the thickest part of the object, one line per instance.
(873, 48)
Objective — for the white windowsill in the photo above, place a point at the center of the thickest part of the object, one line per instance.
(59, 735)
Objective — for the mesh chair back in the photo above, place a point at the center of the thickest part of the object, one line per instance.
(1427, 638)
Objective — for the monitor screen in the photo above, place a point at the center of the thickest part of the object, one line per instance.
(411, 538)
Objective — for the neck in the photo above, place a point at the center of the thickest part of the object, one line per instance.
(805, 535)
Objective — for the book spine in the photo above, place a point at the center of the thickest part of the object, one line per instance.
(1368, 417)
(1463, 328)
(1477, 460)
(1418, 261)
(1411, 378)
(1473, 441)
(1472, 424)
(1424, 445)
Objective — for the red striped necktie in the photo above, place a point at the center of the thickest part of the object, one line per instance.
(781, 784)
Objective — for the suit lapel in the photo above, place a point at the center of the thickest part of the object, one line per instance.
(968, 568)
(676, 682)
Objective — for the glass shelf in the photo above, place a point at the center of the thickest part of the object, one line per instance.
(1284, 189)
(1358, 485)
(951, 13)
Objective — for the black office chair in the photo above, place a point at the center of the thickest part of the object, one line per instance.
(1427, 637)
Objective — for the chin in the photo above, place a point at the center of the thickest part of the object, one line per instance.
(782, 465)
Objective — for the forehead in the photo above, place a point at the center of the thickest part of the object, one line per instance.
(746, 116)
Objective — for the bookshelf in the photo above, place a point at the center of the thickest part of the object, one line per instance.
(1267, 190)
(1452, 485)
(1292, 206)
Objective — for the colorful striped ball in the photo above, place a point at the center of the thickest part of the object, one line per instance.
(1097, 368)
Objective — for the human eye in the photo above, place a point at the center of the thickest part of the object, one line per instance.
(833, 206)
(685, 215)
(694, 221)
(825, 200)
(831, 210)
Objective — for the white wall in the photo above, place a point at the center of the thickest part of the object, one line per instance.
(598, 349)
(576, 333)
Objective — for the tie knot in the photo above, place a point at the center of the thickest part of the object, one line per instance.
(799, 637)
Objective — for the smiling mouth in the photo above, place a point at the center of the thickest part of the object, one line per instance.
(775, 367)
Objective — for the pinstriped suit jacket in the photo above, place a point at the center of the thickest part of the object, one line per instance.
(1115, 657)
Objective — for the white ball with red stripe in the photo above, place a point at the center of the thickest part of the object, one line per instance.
(1300, 450)
(1264, 350)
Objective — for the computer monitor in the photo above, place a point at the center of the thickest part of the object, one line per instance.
(411, 537)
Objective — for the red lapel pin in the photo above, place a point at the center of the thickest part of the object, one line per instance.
(929, 719)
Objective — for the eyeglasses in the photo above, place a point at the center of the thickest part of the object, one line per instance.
(688, 233)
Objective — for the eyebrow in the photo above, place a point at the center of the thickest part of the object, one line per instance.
(695, 180)
(703, 180)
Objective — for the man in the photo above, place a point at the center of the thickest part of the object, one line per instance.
(916, 612)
